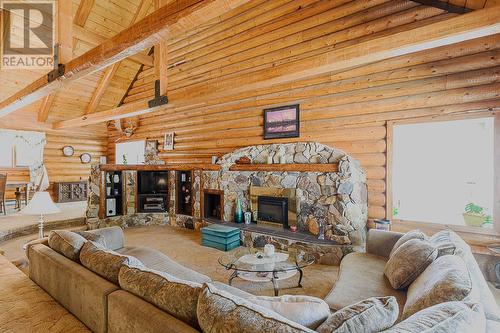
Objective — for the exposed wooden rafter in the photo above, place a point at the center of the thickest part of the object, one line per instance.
(83, 12)
(101, 88)
(458, 29)
(65, 50)
(170, 20)
(110, 71)
(43, 112)
(449, 7)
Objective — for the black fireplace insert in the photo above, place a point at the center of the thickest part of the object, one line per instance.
(273, 210)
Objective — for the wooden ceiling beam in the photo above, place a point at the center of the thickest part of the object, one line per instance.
(83, 12)
(469, 26)
(161, 57)
(165, 22)
(95, 39)
(101, 88)
(43, 112)
(449, 7)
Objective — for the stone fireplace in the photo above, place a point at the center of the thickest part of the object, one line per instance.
(213, 204)
(330, 206)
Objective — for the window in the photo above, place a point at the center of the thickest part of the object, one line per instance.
(131, 152)
(21, 148)
(443, 172)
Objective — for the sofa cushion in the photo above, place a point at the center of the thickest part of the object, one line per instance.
(371, 315)
(456, 317)
(446, 279)
(306, 310)
(220, 311)
(113, 235)
(92, 237)
(175, 296)
(158, 261)
(104, 262)
(408, 261)
(69, 243)
(448, 242)
(413, 234)
(361, 276)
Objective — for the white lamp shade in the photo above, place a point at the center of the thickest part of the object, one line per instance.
(40, 204)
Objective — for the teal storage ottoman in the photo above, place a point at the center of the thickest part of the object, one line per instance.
(220, 237)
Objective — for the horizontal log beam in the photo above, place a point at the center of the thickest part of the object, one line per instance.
(473, 25)
(165, 22)
(93, 39)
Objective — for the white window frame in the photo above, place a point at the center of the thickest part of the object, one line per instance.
(405, 225)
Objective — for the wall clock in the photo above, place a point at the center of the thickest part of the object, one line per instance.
(85, 158)
(68, 151)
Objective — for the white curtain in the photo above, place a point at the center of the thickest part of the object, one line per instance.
(29, 148)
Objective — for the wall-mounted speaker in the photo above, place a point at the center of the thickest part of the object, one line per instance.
(110, 207)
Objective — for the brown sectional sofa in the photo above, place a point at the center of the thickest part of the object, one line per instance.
(105, 307)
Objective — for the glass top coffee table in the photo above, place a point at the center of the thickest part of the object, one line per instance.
(251, 264)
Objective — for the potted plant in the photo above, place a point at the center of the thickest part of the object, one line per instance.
(474, 215)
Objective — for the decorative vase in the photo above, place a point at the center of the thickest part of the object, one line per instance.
(116, 178)
(248, 217)
(238, 213)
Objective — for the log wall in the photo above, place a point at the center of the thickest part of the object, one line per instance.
(347, 110)
(90, 140)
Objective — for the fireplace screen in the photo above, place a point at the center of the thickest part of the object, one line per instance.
(273, 210)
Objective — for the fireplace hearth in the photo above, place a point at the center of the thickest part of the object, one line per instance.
(273, 211)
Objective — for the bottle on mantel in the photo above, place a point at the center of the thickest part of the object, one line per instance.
(238, 213)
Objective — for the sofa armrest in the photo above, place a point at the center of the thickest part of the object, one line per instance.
(381, 242)
(79, 290)
(113, 235)
(43, 241)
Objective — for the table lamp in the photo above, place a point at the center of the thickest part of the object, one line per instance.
(40, 204)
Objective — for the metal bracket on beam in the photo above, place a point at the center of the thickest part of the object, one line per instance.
(55, 73)
(59, 69)
(159, 99)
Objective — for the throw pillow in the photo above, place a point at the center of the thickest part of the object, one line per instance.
(92, 237)
(446, 279)
(67, 243)
(371, 315)
(220, 311)
(306, 310)
(448, 242)
(413, 234)
(408, 261)
(175, 296)
(104, 262)
(456, 317)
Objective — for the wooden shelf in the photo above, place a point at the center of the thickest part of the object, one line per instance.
(141, 167)
(333, 167)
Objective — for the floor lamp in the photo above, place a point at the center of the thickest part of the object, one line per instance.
(41, 204)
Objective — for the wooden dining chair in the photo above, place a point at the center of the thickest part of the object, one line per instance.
(3, 184)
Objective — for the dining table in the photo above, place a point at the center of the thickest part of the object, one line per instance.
(25, 188)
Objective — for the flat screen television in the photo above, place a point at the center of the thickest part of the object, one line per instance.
(152, 182)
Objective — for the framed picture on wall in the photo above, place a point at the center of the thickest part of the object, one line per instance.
(282, 122)
(169, 141)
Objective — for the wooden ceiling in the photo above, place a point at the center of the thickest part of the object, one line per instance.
(94, 22)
